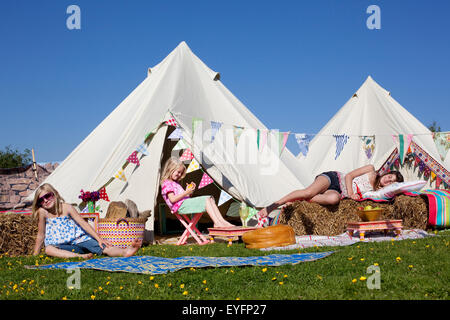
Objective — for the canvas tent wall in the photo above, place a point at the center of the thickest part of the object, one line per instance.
(371, 111)
(183, 87)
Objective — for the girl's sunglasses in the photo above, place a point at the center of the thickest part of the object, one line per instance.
(46, 196)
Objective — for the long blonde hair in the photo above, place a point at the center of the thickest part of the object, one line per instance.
(170, 166)
(48, 188)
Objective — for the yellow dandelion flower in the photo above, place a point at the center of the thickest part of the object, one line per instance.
(92, 297)
(362, 259)
(185, 293)
(64, 298)
(204, 281)
(120, 288)
(281, 283)
(156, 285)
(350, 259)
(206, 289)
(375, 264)
(264, 269)
(152, 277)
(182, 286)
(100, 288)
(238, 298)
(362, 278)
(42, 291)
(398, 259)
(139, 282)
(274, 278)
(410, 266)
(354, 280)
(169, 285)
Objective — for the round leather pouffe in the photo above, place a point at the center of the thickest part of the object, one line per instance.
(272, 236)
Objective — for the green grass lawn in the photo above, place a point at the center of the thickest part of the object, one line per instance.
(409, 269)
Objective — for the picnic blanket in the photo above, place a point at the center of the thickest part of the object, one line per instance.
(438, 206)
(345, 239)
(160, 265)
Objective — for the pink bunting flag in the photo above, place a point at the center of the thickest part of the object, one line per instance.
(103, 194)
(263, 139)
(133, 158)
(171, 122)
(187, 155)
(283, 140)
(205, 181)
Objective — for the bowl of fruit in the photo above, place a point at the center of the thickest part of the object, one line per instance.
(369, 213)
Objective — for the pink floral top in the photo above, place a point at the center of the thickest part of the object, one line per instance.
(169, 186)
(360, 183)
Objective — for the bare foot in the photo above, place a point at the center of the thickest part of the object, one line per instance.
(131, 250)
(86, 256)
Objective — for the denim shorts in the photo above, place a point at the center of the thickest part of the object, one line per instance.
(334, 180)
(87, 246)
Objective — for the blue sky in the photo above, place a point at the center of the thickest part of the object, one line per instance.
(292, 63)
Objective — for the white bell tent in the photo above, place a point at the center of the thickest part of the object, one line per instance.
(369, 120)
(181, 87)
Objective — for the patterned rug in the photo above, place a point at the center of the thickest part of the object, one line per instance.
(345, 239)
(159, 265)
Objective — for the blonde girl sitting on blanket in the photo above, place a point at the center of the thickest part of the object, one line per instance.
(65, 233)
(330, 187)
(179, 200)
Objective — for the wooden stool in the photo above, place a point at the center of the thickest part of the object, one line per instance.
(229, 233)
(364, 226)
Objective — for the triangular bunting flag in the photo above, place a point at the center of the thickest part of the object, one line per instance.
(224, 197)
(206, 180)
(303, 141)
(180, 145)
(341, 140)
(176, 134)
(193, 166)
(171, 122)
(187, 155)
(442, 142)
(237, 131)
(120, 175)
(368, 144)
(438, 182)
(142, 149)
(402, 143)
(215, 126)
(282, 140)
(263, 138)
(133, 158)
(103, 194)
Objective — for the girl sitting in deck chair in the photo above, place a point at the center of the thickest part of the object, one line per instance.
(178, 199)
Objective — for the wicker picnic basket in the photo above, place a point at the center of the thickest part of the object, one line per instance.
(121, 232)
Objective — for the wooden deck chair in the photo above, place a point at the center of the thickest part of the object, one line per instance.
(191, 229)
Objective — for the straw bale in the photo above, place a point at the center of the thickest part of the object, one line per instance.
(313, 219)
(17, 234)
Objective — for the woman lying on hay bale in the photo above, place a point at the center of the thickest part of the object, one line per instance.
(308, 218)
(330, 187)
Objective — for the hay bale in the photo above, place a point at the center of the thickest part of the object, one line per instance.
(17, 234)
(313, 219)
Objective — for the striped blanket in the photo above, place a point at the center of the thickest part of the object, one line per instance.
(438, 206)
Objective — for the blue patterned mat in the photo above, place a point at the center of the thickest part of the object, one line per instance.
(159, 265)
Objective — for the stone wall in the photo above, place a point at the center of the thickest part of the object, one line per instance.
(17, 183)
